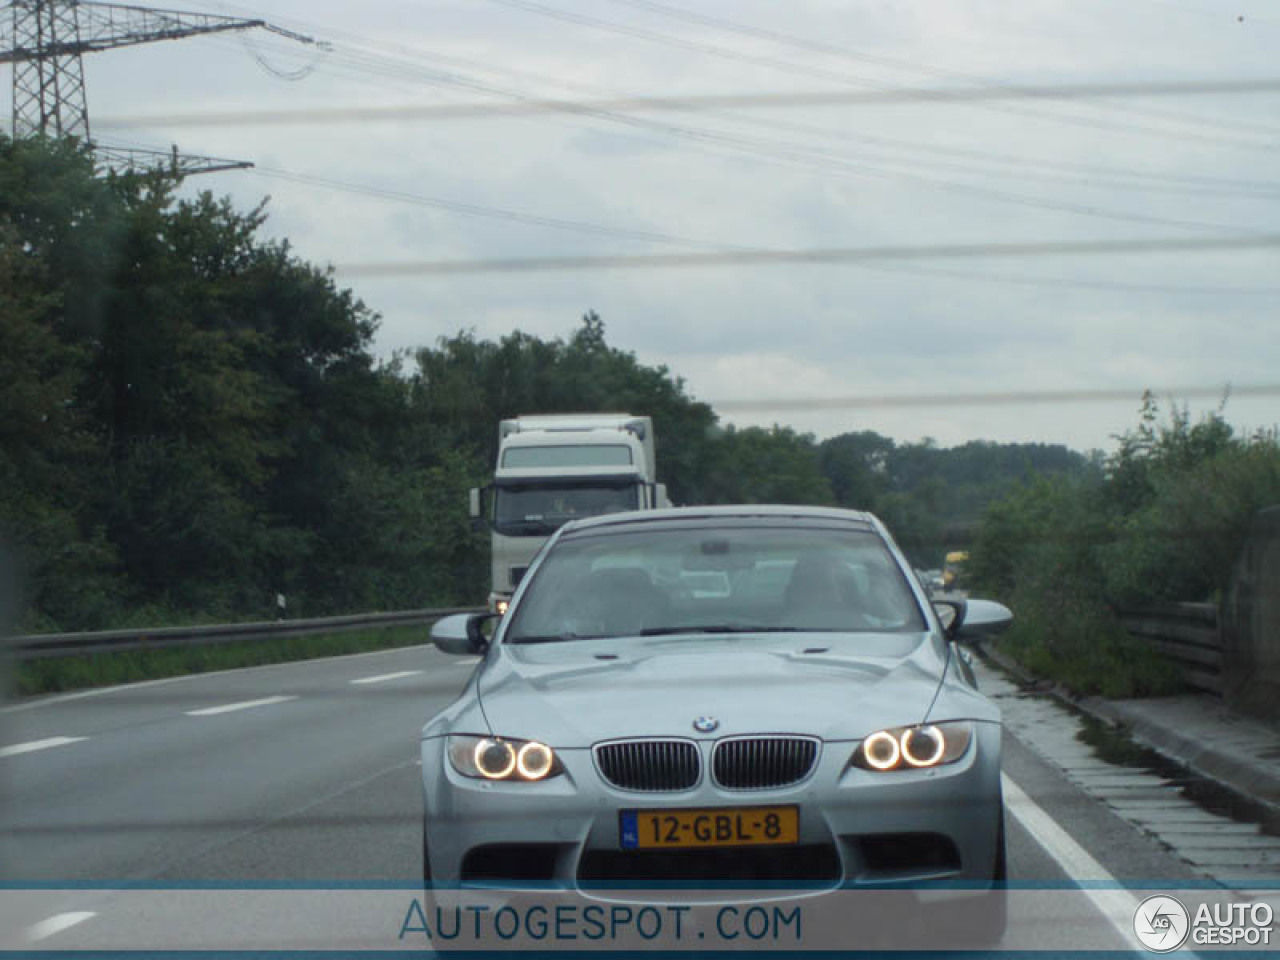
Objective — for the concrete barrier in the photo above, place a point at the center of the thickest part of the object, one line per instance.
(1251, 623)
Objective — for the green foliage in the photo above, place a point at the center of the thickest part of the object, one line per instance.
(192, 421)
(1166, 520)
(1036, 551)
(776, 465)
(857, 467)
(466, 386)
(106, 669)
(932, 498)
(1085, 649)
(1188, 494)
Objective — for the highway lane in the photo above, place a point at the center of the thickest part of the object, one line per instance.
(308, 773)
(154, 792)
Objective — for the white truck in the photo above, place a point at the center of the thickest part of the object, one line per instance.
(555, 468)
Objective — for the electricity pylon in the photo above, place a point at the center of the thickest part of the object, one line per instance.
(48, 39)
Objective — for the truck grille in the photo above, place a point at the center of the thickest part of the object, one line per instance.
(759, 763)
(649, 765)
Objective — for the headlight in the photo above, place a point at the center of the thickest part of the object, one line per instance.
(925, 745)
(500, 758)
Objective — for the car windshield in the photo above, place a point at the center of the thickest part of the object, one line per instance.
(724, 579)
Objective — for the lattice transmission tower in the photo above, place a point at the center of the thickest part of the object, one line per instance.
(45, 42)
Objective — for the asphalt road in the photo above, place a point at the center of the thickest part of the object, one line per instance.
(308, 773)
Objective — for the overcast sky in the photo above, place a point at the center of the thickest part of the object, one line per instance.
(1028, 156)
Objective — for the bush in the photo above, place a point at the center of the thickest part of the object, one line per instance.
(1167, 521)
(1184, 544)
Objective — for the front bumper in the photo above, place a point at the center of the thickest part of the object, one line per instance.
(858, 828)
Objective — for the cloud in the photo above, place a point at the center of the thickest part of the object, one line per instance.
(1026, 170)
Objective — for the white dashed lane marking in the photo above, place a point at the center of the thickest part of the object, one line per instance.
(384, 677)
(56, 924)
(468, 662)
(18, 748)
(233, 707)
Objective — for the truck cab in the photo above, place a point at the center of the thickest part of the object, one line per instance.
(553, 469)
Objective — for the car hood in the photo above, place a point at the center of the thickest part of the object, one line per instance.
(565, 695)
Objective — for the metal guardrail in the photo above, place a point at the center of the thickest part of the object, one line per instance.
(50, 645)
(1187, 633)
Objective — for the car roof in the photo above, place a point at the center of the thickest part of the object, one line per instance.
(766, 511)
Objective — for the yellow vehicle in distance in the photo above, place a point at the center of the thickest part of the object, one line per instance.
(953, 570)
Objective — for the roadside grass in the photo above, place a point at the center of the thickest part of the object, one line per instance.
(1105, 662)
(130, 666)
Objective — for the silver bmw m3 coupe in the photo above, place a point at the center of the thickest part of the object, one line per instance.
(718, 695)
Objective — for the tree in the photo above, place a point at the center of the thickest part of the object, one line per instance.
(856, 466)
(777, 465)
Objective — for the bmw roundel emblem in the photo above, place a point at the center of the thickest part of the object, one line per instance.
(705, 724)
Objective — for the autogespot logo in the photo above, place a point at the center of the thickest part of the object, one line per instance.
(1161, 923)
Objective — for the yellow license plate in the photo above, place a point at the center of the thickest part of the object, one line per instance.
(709, 827)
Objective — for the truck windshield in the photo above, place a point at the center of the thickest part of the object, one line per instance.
(538, 509)
(578, 455)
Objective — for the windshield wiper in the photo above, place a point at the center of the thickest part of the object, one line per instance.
(717, 628)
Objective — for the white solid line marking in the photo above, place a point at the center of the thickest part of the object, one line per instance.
(56, 924)
(243, 705)
(34, 745)
(1116, 905)
(382, 677)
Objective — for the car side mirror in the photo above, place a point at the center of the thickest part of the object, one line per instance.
(950, 613)
(969, 621)
(461, 634)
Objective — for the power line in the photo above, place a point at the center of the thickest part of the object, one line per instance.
(492, 213)
(846, 53)
(1003, 398)
(1081, 283)
(691, 103)
(1014, 167)
(1131, 179)
(786, 153)
(597, 229)
(1209, 186)
(808, 70)
(812, 257)
(831, 163)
